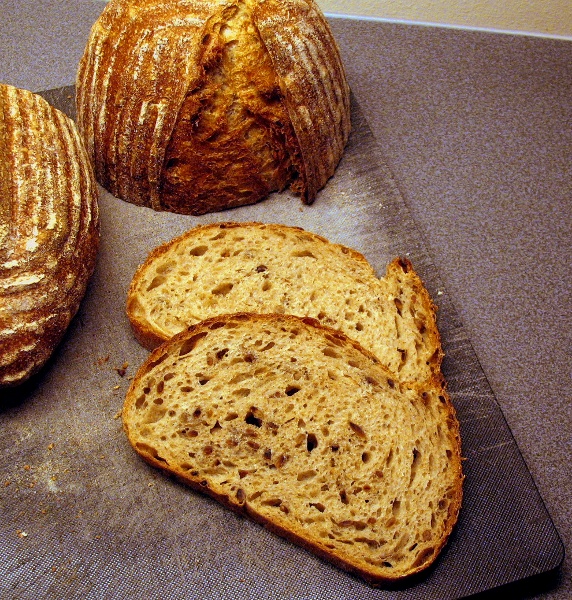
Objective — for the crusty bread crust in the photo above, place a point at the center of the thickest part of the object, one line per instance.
(196, 106)
(229, 267)
(49, 230)
(372, 481)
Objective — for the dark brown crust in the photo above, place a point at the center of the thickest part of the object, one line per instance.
(296, 34)
(136, 82)
(49, 230)
(298, 538)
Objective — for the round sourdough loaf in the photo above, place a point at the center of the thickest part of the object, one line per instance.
(49, 230)
(198, 106)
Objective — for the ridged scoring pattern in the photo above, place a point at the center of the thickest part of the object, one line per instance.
(309, 66)
(143, 58)
(138, 66)
(49, 228)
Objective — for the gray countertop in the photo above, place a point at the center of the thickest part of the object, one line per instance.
(477, 130)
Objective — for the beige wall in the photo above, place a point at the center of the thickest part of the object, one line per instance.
(548, 17)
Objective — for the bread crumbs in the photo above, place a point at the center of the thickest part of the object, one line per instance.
(121, 371)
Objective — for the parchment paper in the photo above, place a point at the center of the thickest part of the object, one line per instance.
(83, 517)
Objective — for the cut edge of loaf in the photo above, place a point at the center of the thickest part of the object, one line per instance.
(433, 391)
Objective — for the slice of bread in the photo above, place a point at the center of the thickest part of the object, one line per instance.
(268, 268)
(297, 426)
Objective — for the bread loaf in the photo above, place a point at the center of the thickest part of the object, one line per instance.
(298, 427)
(270, 268)
(196, 106)
(49, 230)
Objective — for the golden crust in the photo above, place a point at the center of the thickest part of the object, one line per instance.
(49, 230)
(195, 107)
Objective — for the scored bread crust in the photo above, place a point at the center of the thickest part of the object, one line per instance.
(296, 426)
(256, 267)
(49, 230)
(196, 106)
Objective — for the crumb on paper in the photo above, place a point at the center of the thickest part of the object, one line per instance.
(116, 387)
(50, 446)
(27, 467)
(121, 371)
(117, 415)
(102, 360)
(21, 534)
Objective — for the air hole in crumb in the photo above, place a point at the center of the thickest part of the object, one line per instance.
(272, 502)
(311, 442)
(222, 289)
(291, 390)
(190, 344)
(303, 254)
(305, 475)
(358, 430)
(329, 351)
(366, 457)
(231, 416)
(252, 419)
(318, 506)
(158, 401)
(222, 353)
(198, 250)
(156, 282)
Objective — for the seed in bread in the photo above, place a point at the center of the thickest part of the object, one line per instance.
(49, 230)
(298, 427)
(194, 107)
(269, 268)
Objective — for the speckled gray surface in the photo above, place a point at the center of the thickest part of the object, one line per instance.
(476, 128)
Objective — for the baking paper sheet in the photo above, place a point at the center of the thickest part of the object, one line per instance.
(82, 516)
